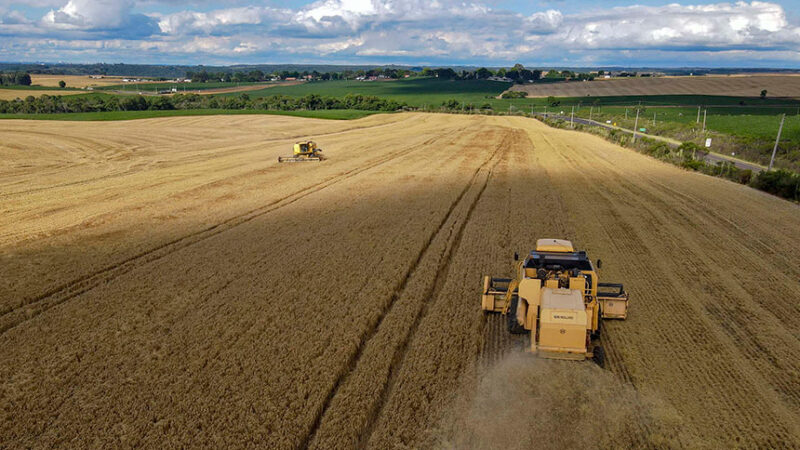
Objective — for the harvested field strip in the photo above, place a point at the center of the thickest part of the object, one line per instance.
(347, 421)
(184, 184)
(746, 85)
(83, 147)
(449, 338)
(11, 316)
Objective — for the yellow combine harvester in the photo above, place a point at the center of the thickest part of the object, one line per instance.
(304, 151)
(556, 295)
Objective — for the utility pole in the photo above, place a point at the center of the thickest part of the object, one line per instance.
(698, 115)
(654, 119)
(591, 109)
(626, 113)
(545, 111)
(777, 140)
(572, 118)
(636, 125)
(705, 111)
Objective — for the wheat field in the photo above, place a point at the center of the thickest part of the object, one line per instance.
(166, 283)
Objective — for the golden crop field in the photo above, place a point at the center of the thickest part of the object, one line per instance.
(166, 283)
(75, 81)
(13, 94)
(733, 85)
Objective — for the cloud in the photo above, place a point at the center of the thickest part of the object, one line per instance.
(722, 26)
(413, 31)
(220, 21)
(102, 18)
(89, 14)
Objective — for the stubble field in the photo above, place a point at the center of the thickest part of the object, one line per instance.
(732, 85)
(166, 283)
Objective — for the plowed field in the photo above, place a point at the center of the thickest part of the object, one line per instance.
(734, 85)
(165, 283)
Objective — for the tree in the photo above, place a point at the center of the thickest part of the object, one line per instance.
(763, 93)
(62, 84)
(22, 79)
(537, 74)
(483, 73)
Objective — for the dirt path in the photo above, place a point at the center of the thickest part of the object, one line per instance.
(167, 283)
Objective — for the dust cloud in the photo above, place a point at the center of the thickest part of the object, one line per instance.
(525, 402)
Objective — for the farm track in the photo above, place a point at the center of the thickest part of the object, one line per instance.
(210, 297)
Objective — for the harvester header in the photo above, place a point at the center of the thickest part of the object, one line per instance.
(304, 151)
(555, 294)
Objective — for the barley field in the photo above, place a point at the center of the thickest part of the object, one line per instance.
(166, 283)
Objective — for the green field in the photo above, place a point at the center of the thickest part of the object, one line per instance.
(414, 91)
(154, 87)
(748, 132)
(333, 114)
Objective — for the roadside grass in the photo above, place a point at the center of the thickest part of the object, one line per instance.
(332, 114)
(751, 123)
(746, 132)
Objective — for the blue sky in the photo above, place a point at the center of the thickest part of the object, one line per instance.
(416, 32)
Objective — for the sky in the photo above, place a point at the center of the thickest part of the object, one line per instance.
(571, 33)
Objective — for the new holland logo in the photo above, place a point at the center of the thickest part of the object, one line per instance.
(559, 316)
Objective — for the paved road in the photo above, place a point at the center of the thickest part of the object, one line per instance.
(713, 158)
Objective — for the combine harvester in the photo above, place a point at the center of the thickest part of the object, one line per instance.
(556, 295)
(303, 151)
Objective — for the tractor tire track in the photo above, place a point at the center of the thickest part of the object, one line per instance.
(451, 234)
(606, 191)
(14, 316)
(217, 155)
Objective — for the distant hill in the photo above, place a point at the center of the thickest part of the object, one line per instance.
(173, 71)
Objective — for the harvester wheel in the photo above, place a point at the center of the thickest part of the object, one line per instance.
(596, 334)
(514, 327)
(599, 356)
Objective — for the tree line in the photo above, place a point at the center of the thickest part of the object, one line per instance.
(518, 73)
(15, 79)
(47, 104)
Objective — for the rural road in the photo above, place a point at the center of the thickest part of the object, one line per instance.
(710, 157)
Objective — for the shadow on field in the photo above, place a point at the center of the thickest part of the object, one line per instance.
(526, 402)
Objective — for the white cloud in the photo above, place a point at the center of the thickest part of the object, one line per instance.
(414, 31)
(89, 14)
(722, 25)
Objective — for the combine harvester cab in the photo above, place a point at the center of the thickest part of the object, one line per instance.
(556, 296)
(304, 151)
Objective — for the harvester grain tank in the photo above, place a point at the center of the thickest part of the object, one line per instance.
(556, 295)
(304, 151)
